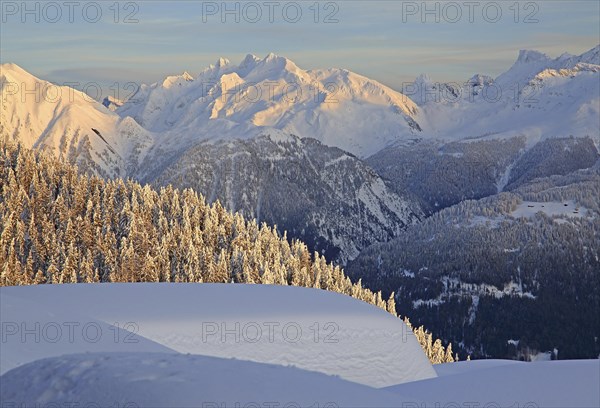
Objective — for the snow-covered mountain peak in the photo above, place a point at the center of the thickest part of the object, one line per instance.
(275, 67)
(41, 96)
(68, 123)
(272, 57)
(538, 97)
(249, 59)
(222, 62)
(532, 56)
(15, 77)
(11, 70)
(532, 62)
(247, 65)
(592, 56)
(177, 80)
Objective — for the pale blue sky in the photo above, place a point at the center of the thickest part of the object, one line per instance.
(385, 40)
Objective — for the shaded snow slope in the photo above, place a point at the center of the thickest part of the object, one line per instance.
(32, 330)
(543, 384)
(462, 367)
(241, 368)
(166, 380)
(308, 328)
(161, 380)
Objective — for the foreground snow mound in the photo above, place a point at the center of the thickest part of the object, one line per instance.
(176, 380)
(311, 329)
(500, 383)
(31, 330)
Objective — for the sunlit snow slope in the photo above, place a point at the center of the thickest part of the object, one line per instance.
(68, 123)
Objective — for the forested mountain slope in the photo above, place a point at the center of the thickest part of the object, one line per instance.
(504, 276)
(438, 175)
(325, 197)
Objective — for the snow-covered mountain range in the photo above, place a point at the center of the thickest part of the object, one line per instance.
(537, 97)
(234, 128)
(335, 106)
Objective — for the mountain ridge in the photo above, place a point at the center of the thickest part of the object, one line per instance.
(184, 116)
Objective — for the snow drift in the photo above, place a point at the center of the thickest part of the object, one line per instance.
(307, 328)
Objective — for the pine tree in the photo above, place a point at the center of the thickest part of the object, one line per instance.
(448, 357)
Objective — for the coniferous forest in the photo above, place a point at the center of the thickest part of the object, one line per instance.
(500, 276)
(59, 226)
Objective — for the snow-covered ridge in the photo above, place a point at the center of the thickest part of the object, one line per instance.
(329, 199)
(158, 380)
